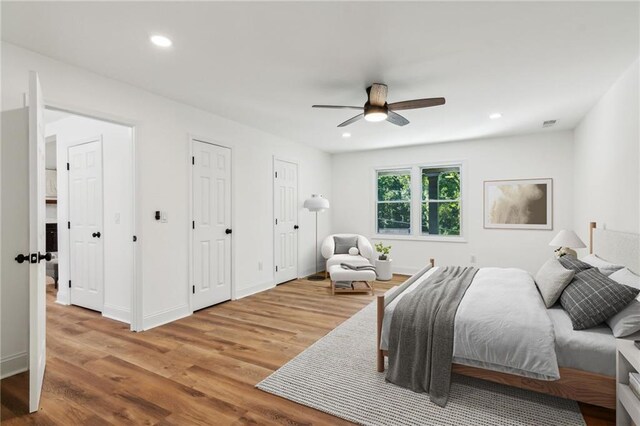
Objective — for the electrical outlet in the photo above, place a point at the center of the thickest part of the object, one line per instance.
(472, 258)
(260, 265)
(164, 217)
(117, 218)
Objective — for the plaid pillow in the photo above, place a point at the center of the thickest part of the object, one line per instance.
(592, 297)
(572, 263)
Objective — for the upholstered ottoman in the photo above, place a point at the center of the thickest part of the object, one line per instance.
(361, 281)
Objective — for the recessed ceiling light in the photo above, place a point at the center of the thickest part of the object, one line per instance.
(346, 135)
(495, 116)
(161, 41)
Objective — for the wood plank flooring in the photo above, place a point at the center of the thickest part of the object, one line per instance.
(199, 370)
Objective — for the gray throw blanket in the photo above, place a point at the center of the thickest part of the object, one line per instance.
(421, 334)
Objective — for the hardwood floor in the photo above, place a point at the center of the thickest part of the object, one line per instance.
(199, 370)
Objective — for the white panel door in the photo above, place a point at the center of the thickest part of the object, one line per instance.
(37, 220)
(211, 225)
(285, 203)
(86, 248)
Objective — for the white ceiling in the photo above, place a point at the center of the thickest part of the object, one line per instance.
(265, 64)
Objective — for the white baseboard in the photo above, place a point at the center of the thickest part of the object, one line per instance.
(116, 313)
(14, 364)
(244, 292)
(165, 317)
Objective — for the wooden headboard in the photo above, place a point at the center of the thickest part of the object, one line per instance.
(622, 248)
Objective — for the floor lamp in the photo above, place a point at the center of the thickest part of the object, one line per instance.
(317, 203)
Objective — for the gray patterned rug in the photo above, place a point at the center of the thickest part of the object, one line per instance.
(337, 375)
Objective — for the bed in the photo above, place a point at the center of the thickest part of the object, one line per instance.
(552, 358)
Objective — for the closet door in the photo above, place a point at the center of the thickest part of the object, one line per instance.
(211, 224)
(285, 206)
(86, 249)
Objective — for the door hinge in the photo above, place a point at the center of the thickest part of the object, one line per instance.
(69, 283)
(68, 225)
(276, 221)
(67, 166)
(193, 224)
(276, 268)
(193, 160)
(276, 175)
(193, 289)
(135, 238)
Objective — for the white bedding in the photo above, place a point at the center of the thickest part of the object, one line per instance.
(501, 324)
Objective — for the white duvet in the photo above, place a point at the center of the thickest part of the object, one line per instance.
(501, 324)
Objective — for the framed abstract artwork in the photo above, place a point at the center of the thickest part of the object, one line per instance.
(518, 204)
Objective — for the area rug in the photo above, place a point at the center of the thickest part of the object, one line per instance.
(337, 375)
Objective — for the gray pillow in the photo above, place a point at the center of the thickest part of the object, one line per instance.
(592, 297)
(551, 279)
(627, 321)
(571, 262)
(343, 244)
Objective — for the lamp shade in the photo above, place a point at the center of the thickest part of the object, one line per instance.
(566, 238)
(316, 203)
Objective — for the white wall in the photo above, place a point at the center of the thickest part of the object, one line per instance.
(117, 229)
(162, 170)
(607, 176)
(544, 155)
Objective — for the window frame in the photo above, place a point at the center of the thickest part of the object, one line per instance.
(416, 203)
(410, 201)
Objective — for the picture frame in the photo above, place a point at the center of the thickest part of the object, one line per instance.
(518, 204)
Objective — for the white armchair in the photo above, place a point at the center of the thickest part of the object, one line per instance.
(365, 257)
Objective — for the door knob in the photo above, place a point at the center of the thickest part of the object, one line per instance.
(227, 231)
(46, 256)
(21, 258)
(295, 227)
(96, 234)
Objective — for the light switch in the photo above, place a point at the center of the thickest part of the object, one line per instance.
(164, 217)
(117, 218)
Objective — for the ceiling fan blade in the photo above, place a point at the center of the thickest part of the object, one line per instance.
(352, 120)
(377, 94)
(416, 103)
(336, 107)
(396, 119)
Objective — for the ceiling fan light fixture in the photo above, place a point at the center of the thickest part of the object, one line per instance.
(375, 113)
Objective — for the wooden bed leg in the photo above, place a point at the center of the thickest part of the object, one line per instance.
(592, 226)
(432, 261)
(380, 316)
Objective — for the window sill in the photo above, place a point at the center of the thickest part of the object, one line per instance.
(441, 239)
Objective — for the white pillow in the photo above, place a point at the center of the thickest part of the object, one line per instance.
(606, 268)
(551, 280)
(353, 251)
(627, 321)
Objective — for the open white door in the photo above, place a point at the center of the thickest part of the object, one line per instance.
(37, 220)
(285, 211)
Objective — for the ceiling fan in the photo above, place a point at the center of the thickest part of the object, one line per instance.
(377, 109)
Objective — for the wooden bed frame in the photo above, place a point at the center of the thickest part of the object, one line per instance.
(577, 385)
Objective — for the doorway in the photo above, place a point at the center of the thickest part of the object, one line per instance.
(211, 224)
(94, 211)
(285, 212)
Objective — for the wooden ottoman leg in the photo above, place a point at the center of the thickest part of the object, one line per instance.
(333, 288)
(371, 287)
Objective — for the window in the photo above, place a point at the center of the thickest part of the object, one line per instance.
(420, 201)
(440, 205)
(394, 202)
